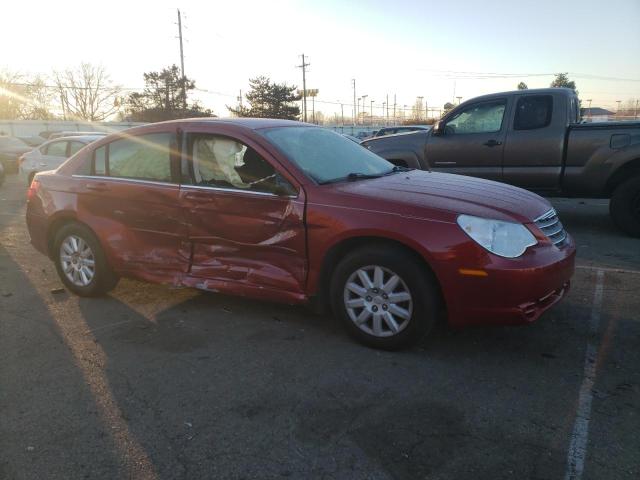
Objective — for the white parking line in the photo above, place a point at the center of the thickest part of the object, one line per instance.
(607, 269)
(580, 435)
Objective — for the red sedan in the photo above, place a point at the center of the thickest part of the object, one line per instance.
(294, 213)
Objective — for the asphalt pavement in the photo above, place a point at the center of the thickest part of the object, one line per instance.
(153, 382)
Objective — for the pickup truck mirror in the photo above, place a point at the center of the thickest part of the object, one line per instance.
(437, 128)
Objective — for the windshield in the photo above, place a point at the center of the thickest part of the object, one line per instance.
(11, 142)
(326, 156)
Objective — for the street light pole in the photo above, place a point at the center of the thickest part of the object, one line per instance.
(364, 109)
(355, 109)
(372, 112)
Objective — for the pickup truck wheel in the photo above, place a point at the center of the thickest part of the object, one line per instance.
(81, 262)
(384, 297)
(625, 206)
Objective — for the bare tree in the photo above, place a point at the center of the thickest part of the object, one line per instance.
(87, 93)
(12, 95)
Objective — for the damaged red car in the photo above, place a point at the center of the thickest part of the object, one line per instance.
(294, 213)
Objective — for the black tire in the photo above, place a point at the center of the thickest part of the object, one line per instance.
(625, 206)
(104, 279)
(420, 283)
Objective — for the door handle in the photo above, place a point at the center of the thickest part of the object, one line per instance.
(492, 143)
(97, 187)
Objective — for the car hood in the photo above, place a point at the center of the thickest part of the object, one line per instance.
(431, 194)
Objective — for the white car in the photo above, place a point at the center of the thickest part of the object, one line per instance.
(50, 155)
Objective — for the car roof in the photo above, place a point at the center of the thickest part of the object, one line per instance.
(251, 123)
(76, 138)
(531, 91)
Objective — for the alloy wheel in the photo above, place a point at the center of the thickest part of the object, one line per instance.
(378, 301)
(77, 260)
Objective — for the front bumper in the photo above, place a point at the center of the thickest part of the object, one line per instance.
(512, 292)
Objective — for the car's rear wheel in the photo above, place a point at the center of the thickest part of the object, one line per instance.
(384, 297)
(81, 263)
(625, 206)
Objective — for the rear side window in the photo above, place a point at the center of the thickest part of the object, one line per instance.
(533, 111)
(74, 147)
(57, 149)
(143, 157)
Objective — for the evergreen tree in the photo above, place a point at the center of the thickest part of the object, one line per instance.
(269, 100)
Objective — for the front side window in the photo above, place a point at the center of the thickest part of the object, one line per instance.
(533, 111)
(57, 149)
(222, 162)
(142, 157)
(479, 118)
(325, 156)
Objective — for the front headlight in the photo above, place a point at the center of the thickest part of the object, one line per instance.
(506, 239)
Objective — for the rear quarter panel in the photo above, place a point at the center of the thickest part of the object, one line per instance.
(595, 153)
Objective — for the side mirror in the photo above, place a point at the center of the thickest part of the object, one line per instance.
(282, 188)
(437, 129)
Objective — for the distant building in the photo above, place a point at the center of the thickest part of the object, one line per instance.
(597, 114)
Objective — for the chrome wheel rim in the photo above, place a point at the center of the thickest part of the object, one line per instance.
(378, 301)
(77, 261)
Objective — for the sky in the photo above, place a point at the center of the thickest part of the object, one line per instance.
(437, 50)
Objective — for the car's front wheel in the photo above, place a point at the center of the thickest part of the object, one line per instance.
(385, 298)
(81, 262)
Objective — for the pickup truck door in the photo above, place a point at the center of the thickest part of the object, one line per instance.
(471, 140)
(535, 143)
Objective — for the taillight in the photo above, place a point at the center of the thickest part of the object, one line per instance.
(32, 191)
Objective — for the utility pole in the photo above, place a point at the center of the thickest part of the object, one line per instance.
(184, 87)
(358, 110)
(426, 110)
(589, 109)
(355, 110)
(419, 109)
(304, 86)
(342, 112)
(635, 114)
(618, 111)
(383, 104)
(459, 98)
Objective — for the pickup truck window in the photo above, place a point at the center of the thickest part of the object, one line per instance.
(478, 118)
(533, 111)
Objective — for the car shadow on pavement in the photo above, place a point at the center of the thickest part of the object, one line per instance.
(50, 426)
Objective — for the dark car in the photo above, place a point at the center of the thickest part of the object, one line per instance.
(11, 149)
(294, 213)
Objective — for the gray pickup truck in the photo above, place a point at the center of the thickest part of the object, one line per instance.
(532, 139)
